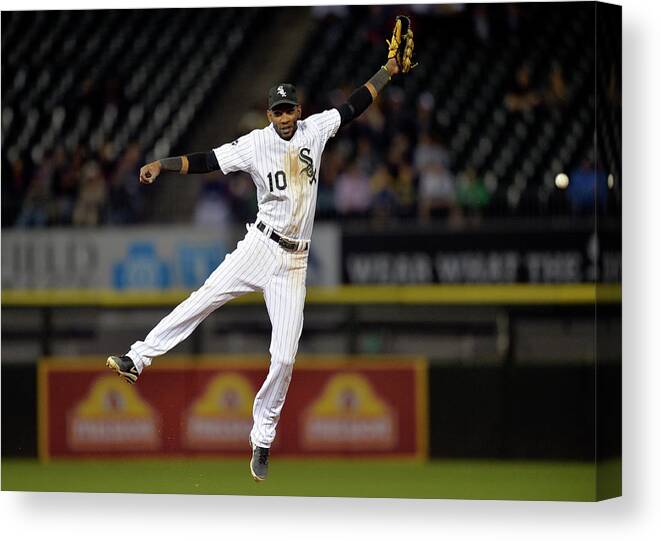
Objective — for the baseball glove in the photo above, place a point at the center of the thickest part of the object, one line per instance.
(400, 46)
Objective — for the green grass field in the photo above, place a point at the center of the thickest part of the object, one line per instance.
(341, 478)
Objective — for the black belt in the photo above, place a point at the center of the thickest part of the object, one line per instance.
(292, 245)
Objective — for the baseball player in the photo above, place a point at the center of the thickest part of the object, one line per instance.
(283, 160)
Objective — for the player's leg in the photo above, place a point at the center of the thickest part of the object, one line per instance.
(248, 268)
(285, 300)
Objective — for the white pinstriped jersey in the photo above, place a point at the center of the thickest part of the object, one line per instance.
(286, 173)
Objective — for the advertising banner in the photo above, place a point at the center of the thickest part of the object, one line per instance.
(118, 259)
(495, 256)
(339, 406)
(138, 258)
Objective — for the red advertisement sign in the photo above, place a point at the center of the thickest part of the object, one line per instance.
(336, 406)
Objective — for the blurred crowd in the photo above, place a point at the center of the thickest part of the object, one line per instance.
(392, 163)
(387, 164)
(80, 188)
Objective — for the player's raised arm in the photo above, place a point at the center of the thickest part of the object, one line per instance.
(400, 60)
(195, 163)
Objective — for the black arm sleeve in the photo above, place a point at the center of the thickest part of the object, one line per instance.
(359, 100)
(202, 162)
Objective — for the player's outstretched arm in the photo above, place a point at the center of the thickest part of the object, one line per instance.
(364, 96)
(400, 60)
(195, 163)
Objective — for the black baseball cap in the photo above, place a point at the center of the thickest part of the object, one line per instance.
(282, 93)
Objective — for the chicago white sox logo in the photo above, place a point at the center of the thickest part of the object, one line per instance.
(281, 91)
(304, 155)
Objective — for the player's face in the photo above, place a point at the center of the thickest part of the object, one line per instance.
(284, 119)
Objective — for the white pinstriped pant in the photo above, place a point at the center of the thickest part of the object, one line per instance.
(257, 263)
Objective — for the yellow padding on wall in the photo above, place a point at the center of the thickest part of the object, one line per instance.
(349, 294)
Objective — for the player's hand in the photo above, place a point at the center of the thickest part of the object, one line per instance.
(149, 172)
(392, 67)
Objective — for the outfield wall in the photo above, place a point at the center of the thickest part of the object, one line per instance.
(534, 412)
(507, 321)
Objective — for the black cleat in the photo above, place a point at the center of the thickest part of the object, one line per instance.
(124, 367)
(259, 463)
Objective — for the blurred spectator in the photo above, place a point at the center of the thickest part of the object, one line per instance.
(65, 187)
(398, 151)
(522, 97)
(584, 181)
(106, 159)
(321, 12)
(472, 194)
(449, 9)
(326, 197)
(212, 208)
(92, 196)
(481, 24)
(384, 198)
(420, 9)
(373, 120)
(556, 92)
(437, 193)
(352, 193)
(14, 186)
(380, 18)
(425, 113)
(79, 157)
(429, 151)
(114, 94)
(88, 101)
(398, 117)
(241, 192)
(366, 158)
(120, 203)
(331, 166)
(37, 208)
(125, 192)
(405, 191)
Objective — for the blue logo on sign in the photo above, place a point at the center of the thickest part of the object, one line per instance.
(196, 263)
(141, 269)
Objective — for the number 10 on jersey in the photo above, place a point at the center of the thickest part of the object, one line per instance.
(280, 180)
